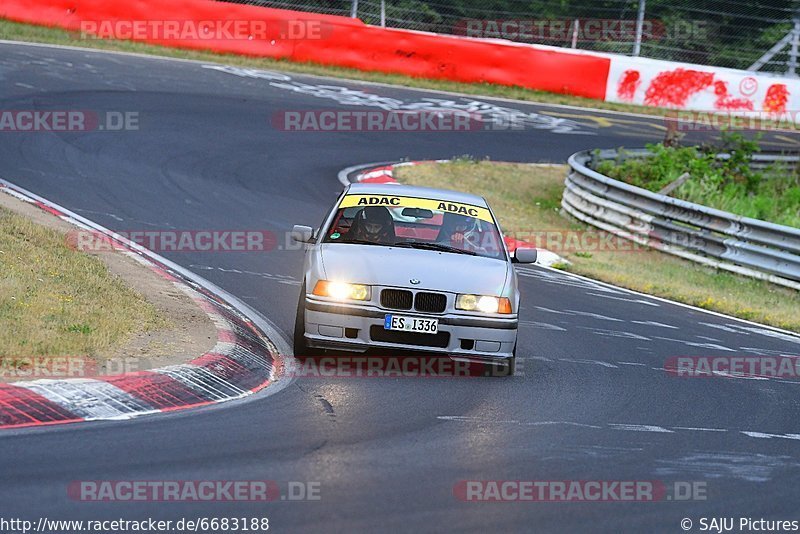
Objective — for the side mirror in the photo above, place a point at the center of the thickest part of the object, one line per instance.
(302, 234)
(524, 255)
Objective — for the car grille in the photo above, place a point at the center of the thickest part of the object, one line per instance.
(430, 302)
(402, 299)
(439, 339)
(397, 299)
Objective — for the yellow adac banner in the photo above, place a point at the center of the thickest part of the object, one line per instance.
(390, 201)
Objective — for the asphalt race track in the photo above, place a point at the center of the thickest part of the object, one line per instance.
(592, 401)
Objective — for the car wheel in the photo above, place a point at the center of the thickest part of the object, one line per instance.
(301, 348)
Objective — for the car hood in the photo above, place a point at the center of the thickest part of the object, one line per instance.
(390, 266)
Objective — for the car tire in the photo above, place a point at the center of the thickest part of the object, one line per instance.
(508, 368)
(512, 362)
(301, 348)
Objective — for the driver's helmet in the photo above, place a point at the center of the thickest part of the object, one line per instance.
(375, 223)
(461, 223)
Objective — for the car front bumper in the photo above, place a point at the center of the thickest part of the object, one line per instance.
(349, 327)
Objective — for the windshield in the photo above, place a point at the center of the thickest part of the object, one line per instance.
(409, 222)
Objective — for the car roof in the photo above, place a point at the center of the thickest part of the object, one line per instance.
(417, 191)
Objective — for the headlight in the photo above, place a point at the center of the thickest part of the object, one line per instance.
(341, 290)
(483, 303)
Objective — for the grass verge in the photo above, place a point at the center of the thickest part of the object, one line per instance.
(31, 33)
(527, 198)
(56, 301)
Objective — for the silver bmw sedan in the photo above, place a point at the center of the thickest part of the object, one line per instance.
(411, 268)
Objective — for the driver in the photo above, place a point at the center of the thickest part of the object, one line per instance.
(373, 224)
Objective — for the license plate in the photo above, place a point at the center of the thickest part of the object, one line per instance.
(411, 324)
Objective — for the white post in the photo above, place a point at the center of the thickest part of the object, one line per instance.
(637, 45)
(354, 10)
(575, 30)
(383, 13)
(792, 65)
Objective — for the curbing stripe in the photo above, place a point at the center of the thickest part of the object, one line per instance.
(160, 391)
(202, 381)
(243, 361)
(89, 399)
(23, 407)
(230, 370)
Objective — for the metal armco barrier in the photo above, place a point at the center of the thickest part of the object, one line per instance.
(698, 233)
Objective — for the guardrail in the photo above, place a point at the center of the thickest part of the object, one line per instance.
(698, 233)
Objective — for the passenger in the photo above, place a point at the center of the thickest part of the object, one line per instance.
(459, 231)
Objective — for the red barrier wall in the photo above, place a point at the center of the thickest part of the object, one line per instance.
(347, 43)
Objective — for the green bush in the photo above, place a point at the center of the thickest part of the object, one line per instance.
(772, 194)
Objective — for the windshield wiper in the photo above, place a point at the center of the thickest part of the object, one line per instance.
(434, 246)
(359, 242)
